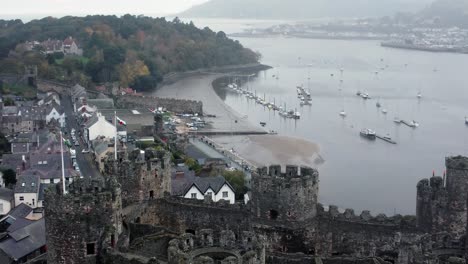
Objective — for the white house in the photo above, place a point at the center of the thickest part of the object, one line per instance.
(6, 200)
(70, 47)
(54, 112)
(215, 187)
(27, 190)
(98, 126)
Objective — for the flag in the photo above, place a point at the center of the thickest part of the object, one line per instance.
(66, 142)
(121, 122)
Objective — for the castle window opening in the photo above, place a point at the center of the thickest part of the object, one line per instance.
(90, 249)
(151, 194)
(273, 214)
(190, 231)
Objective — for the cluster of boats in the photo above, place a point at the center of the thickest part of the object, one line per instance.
(303, 95)
(282, 110)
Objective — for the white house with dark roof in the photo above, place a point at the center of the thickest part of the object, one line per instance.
(55, 112)
(27, 190)
(98, 126)
(186, 184)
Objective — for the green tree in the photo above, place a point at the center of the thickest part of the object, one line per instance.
(9, 177)
(5, 145)
(193, 165)
(237, 180)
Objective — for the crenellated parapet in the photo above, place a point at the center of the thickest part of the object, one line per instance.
(332, 212)
(90, 212)
(208, 245)
(285, 195)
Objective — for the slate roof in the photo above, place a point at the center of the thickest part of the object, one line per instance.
(100, 147)
(6, 194)
(55, 106)
(106, 103)
(27, 184)
(182, 184)
(24, 241)
(14, 161)
(20, 211)
(20, 147)
(9, 110)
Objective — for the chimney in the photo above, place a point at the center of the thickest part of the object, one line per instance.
(179, 175)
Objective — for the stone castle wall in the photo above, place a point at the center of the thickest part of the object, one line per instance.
(289, 196)
(142, 176)
(171, 104)
(90, 213)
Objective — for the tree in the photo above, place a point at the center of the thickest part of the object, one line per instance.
(193, 165)
(237, 180)
(9, 177)
(5, 145)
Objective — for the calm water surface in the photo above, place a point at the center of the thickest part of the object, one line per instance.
(358, 173)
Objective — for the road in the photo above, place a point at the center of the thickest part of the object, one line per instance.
(84, 160)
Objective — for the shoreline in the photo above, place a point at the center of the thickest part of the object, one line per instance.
(174, 77)
(234, 131)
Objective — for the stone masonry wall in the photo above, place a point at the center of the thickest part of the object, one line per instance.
(171, 104)
(89, 213)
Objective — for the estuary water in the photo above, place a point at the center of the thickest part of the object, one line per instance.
(358, 173)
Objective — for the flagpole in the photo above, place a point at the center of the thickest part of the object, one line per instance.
(63, 166)
(115, 140)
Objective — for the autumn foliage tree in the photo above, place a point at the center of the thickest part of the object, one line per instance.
(134, 50)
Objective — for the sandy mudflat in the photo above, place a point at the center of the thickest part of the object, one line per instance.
(264, 150)
(200, 88)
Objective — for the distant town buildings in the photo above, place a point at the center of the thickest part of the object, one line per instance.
(69, 46)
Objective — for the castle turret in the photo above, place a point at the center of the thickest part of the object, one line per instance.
(457, 186)
(288, 196)
(81, 224)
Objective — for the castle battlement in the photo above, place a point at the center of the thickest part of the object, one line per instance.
(290, 171)
(456, 163)
(365, 217)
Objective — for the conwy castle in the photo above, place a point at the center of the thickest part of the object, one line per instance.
(282, 223)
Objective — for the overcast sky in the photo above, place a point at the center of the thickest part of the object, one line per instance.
(71, 7)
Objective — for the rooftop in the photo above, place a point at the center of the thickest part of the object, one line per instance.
(27, 184)
(24, 241)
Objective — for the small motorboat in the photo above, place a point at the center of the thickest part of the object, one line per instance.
(414, 124)
(378, 105)
(343, 113)
(368, 133)
(384, 111)
(365, 96)
(262, 124)
(296, 115)
(358, 93)
(397, 120)
(419, 95)
(466, 120)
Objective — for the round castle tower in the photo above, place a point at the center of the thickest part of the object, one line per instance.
(288, 196)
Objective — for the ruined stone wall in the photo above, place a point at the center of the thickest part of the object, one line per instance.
(171, 104)
(289, 196)
(442, 206)
(143, 177)
(391, 238)
(88, 216)
(457, 186)
(431, 205)
(180, 215)
(210, 246)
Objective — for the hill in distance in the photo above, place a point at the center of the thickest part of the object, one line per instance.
(303, 9)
